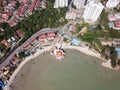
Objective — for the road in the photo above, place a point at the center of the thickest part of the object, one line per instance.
(16, 49)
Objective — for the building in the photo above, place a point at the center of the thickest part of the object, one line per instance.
(106, 42)
(114, 20)
(112, 3)
(60, 3)
(71, 15)
(116, 42)
(20, 33)
(116, 25)
(4, 41)
(92, 11)
(114, 16)
(79, 3)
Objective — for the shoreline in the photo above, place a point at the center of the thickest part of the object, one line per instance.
(84, 50)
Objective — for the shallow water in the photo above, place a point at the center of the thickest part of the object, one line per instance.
(76, 72)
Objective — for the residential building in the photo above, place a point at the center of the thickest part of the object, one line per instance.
(112, 3)
(20, 33)
(60, 3)
(71, 15)
(4, 41)
(79, 3)
(92, 11)
(114, 20)
(116, 25)
(116, 42)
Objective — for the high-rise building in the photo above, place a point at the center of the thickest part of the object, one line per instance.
(92, 11)
(112, 3)
(79, 3)
(60, 3)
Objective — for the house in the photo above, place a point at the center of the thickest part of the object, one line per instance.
(115, 20)
(117, 25)
(106, 42)
(111, 17)
(42, 37)
(15, 57)
(33, 41)
(43, 5)
(27, 46)
(116, 42)
(72, 27)
(20, 33)
(37, 4)
(33, 2)
(4, 41)
(12, 22)
(50, 35)
(114, 16)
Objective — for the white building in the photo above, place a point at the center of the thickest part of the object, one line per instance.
(112, 3)
(79, 3)
(92, 11)
(71, 15)
(60, 3)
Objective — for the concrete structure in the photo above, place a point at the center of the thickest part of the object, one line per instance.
(60, 3)
(112, 3)
(92, 11)
(79, 3)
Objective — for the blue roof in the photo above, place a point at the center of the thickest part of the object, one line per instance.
(1, 84)
(110, 25)
(118, 51)
(75, 41)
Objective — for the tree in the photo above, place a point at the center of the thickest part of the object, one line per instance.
(113, 56)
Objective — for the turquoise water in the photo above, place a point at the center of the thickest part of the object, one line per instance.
(76, 72)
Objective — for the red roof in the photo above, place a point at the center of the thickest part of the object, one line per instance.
(34, 40)
(12, 22)
(26, 46)
(117, 24)
(42, 40)
(37, 4)
(50, 37)
(42, 36)
(20, 33)
(15, 57)
(74, 27)
(4, 41)
(22, 10)
(32, 7)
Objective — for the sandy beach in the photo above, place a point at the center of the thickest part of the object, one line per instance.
(84, 50)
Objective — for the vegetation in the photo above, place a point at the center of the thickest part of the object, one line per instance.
(104, 20)
(73, 6)
(113, 56)
(43, 18)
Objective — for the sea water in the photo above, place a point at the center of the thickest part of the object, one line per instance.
(76, 72)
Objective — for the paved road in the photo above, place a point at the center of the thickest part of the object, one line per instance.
(16, 49)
